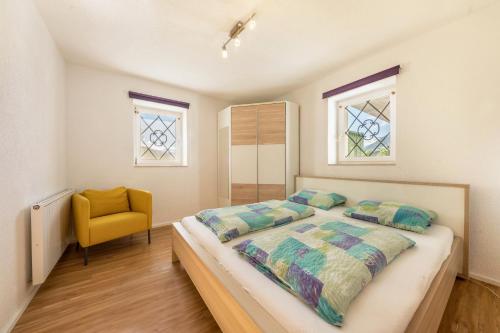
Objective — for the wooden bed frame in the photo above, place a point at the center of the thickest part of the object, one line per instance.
(232, 316)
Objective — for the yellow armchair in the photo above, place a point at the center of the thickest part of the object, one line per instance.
(100, 216)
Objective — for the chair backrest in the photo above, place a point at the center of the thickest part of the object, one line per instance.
(107, 202)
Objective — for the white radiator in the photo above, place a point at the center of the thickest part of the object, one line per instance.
(50, 233)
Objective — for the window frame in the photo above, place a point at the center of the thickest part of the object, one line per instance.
(181, 132)
(338, 121)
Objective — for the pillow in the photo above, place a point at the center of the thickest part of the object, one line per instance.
(107, 202)
(392, 214)
(316, 198)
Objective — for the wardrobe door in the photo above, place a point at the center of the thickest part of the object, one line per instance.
(271, 151)
(244, 155)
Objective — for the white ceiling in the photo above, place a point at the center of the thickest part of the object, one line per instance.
(178, 41)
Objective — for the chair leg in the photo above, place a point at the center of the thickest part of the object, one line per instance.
(149, 236)
(85, 256)
(77, 247)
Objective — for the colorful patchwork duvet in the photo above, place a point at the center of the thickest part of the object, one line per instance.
(231, 222)
(325, 264)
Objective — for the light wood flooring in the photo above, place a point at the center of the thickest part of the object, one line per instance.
(129, 286)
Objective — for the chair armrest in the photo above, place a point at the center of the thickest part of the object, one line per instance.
(141, 202)
(81, 216)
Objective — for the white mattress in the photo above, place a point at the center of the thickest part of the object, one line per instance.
(386, 305)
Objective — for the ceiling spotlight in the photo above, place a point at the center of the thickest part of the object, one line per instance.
(225, 54)
(252, 24)
(235, 33)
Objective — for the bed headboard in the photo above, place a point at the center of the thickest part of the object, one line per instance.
(449, 201)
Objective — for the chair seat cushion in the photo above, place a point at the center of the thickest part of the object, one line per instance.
(107, 201)
(105, 228)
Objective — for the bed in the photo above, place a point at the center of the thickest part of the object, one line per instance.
(415, 287)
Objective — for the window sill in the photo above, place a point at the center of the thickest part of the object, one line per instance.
(360, 163)
(140, 165)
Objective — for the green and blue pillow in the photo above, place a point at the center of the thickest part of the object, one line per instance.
(393, 214)
(316, 198)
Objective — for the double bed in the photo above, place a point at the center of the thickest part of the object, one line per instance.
(408, 296)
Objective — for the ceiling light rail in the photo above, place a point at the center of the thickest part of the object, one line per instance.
(235, 32)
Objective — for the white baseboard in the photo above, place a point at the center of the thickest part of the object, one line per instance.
(13, 321)
(485, 279)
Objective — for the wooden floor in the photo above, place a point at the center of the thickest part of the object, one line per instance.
(472, 308)
(129, 286)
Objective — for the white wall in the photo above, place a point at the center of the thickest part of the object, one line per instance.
(100, 142)
(448, 128)
(32, 142)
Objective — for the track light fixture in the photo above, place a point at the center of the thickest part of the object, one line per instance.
(235, 33)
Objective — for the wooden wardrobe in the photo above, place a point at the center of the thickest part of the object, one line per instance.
(258, 152)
